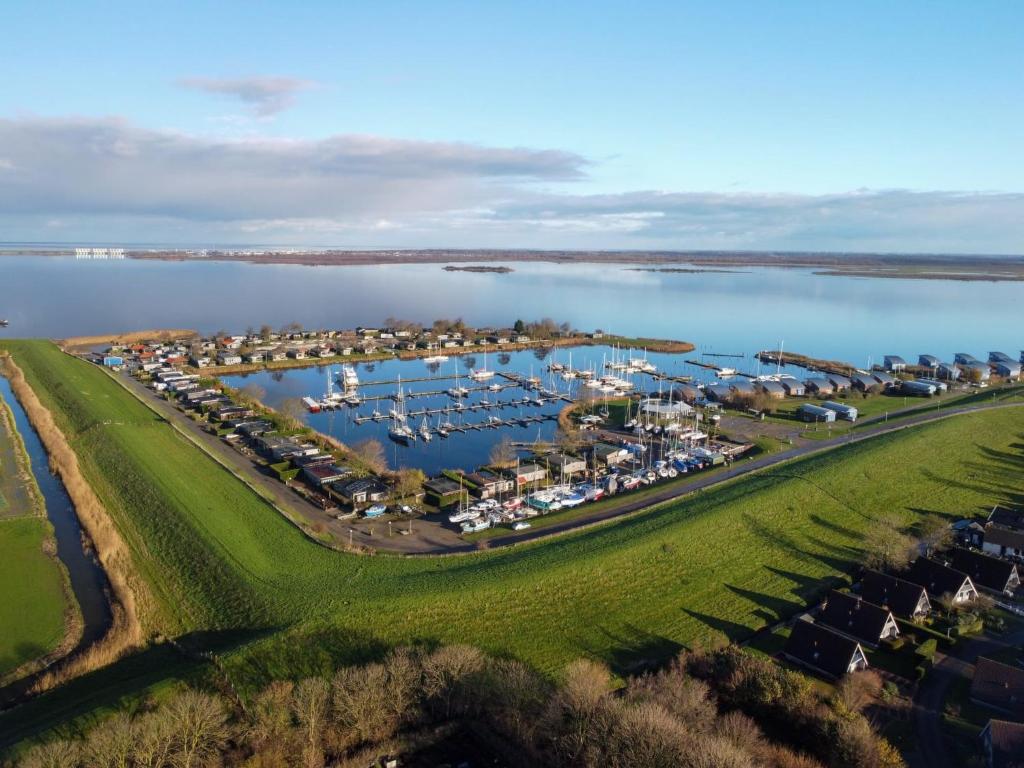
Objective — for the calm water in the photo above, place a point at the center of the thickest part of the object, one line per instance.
(88, 581)
(466, 450)
(850, 318)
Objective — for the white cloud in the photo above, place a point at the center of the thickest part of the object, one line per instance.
(114, 180)
(265, 96)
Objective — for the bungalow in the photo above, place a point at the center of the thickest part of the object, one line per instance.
(819, 385)
(895, 363)
(528, 473)
(998, 686)
(884, 379)
(904, 598)
(988, 572)
(939, 579)
(255, 428)
(948, 372)
(855, 617)
(297, 353)
(256, 357)
(840, 383)
(720, 393)
(928, 361)
(278, 354)
(562, 465)
(228, 358)
(608, 455)
(361, 490)
(793, 386)
(313, 460)
(1008, 370)
(964, 358)
(1003, 541)
(281, 448)
(325, 474)
(488, 484)
(443, 492)
(820, 649)
(742, 387)
(233, 412)
(1003, 743)
(808, 412)
(863, 382)
(773, 389)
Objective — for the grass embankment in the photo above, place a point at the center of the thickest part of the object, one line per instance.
(38, 617)
(719, 565)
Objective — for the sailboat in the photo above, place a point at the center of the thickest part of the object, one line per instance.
(481, 374)
(437, 357)
(458, 391)
(399, 431)
(425, 431)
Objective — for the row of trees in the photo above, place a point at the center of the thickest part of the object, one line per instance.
(703, 710)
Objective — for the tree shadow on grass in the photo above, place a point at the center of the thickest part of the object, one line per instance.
(834, 527)
(771, 608)
(634, 650)
(732, 630)
(809, 589)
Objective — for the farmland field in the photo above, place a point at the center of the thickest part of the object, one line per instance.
(721, 564)
(31, 583)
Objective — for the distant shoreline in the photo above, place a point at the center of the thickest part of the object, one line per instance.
(826, 264)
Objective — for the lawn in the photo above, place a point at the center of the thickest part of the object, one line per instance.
(721, 564)
(32, 609)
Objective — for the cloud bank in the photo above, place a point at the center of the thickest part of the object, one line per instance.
(110, 179)
(265, 96)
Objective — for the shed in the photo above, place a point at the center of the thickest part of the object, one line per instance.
(939, 579)
(824, 651)
(609, 455)
(843, 411)
(742, 386)
(820, 385)
(839, 382)
(562, 464)
(855, 617)
(992, 573)
(773, 389)
(904, 598)
(808, 412)
(895, 363)
(443, 492)
(998, 686)
(529, 473)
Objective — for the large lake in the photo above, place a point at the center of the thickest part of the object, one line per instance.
(850, 318)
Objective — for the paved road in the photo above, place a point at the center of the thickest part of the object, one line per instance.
(742, 467)
(929, 702)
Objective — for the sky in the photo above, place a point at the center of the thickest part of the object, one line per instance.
(871, 126)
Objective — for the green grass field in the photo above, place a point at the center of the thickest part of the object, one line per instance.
(718, 565)
(33, 600)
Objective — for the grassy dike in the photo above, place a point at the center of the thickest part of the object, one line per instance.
(227, 571)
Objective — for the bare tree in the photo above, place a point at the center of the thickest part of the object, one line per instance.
(292, 410)
(408, 484)
(113, 745)
(370, 453)
(361, 705)
(200, 727)
(503, 454)
(934, 533)
(886, 545)
(856, 691)
(53, 754)
(252, 394)
(445, 673)
(311, 704)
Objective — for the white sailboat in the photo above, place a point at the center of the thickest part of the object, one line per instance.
(481, 374)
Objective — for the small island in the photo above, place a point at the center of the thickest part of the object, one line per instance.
(477, 268)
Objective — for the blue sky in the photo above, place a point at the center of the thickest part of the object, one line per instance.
(799, 125)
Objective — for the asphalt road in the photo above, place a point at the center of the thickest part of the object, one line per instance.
(739, 468)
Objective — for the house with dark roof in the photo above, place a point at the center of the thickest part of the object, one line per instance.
(988, 572)
(855, 617)
(998, 686)
(443, 492)
(487, 484)
(819, 385)
(904, 598)
(361, 490)
(325, 474)
(1003, 542)
(939, 579)
(824, 651)
(1002, 743)
(864, 382)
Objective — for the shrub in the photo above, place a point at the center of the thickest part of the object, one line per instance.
(926, 650)
(893, 643)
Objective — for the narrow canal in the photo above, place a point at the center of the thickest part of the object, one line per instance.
(88, 581)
